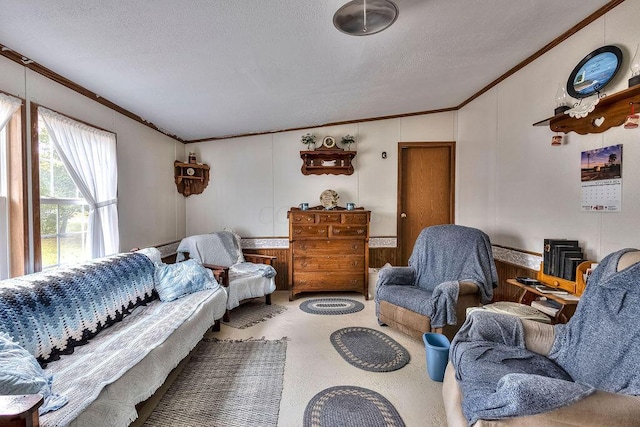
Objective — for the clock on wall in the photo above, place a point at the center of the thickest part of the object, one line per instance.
(594, 72)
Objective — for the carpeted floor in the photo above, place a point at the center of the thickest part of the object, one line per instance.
(226, 383)
(313, 364)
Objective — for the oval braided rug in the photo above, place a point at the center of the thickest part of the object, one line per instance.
(350, 406)
(368, 349)
(331, 306)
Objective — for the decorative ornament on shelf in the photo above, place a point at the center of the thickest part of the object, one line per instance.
(347, 140)
(634, 66)
(308, 139)
(562, 100)
(582, 109)
(633, 120)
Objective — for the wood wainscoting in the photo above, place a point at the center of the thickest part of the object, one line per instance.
(506, 270)
(380, 256)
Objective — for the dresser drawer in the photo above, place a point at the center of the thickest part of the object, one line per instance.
(303, 218)
(349, 231)
(355, 218)
(328, 247)
(334, 263)
(299, 231)
(328, 218)
(327, 281)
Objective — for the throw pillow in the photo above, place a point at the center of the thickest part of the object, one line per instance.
(20, 373)
(177, 280)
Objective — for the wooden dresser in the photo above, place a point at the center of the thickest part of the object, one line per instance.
(328, 250)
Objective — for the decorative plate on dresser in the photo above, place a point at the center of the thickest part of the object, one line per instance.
(329, 199)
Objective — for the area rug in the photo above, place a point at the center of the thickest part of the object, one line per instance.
(253, 312)
(370, 350)
(226, 383)
(350, 406)
(331, 306)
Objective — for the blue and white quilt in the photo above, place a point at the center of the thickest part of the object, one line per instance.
(51, 313)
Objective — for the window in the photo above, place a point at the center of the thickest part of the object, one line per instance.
(74, 190)
(64, 213)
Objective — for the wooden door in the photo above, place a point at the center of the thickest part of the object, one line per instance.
(426, 172)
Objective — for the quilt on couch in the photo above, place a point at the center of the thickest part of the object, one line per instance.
(51, 313)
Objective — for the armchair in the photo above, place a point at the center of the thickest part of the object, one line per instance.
(451, 268)
(506, 371)
(244, 276)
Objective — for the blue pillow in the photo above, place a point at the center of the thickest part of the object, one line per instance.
(177, 280)
(20, 373)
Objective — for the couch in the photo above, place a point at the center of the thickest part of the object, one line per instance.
(106, 333)
(506, 371)
(451, 268)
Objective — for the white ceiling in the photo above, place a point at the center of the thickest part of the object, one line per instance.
(210, 68)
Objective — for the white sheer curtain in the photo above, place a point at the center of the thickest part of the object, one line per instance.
(8, 106)
(89, 154)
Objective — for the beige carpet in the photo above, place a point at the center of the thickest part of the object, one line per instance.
(312, 364)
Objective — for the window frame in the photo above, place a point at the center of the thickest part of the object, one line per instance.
(35, 181)
(17, 191)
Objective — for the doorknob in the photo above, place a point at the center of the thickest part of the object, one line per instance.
(403, 215)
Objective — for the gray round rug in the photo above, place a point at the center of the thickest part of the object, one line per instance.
(350, 406)
(370, 350)
(331, 306)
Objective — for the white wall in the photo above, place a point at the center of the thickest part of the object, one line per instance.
(256, 180)
(514, 184)
(150, 209)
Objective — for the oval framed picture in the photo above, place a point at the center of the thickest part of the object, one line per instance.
(191, 171)
(329, 142)
(594, 72)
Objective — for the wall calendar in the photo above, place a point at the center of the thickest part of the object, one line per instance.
(601, 179)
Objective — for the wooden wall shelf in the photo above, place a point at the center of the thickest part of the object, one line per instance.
(190, 178)
(613, 108)
(334, 161)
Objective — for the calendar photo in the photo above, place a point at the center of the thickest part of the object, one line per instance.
(601, 179)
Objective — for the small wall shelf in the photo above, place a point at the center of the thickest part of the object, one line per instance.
(334, 161)
(613, 108)
(190, 178)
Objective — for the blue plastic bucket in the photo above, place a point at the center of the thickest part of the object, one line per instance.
(437, 347)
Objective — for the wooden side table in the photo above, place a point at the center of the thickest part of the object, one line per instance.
(20, 410)
(567, 304)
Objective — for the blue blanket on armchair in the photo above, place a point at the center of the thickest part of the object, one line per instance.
(442, 257)
(500, 378)
(52, 312)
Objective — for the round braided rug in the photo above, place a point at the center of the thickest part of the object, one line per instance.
(370, 350)
(331, 306)
(350, 406)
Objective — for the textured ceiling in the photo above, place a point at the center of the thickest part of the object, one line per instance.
(210, 68)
